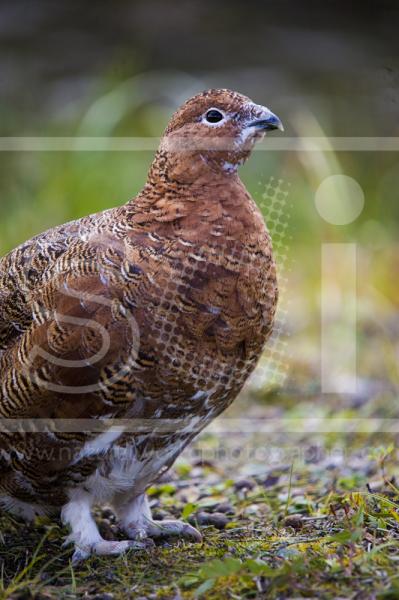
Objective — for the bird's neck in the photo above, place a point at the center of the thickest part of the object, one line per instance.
(189, 190)
(189, 167)
(215, 201)
(187, 179)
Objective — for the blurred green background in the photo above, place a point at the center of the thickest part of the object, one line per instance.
(120, 69)
(330, 71)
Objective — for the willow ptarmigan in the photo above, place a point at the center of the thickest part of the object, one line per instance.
(153, 314)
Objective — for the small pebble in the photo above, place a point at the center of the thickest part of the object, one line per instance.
(204, 463)
(294, 521)
(159, 514)
(244, 484)
(108, 531)
(225, 507)
(271, 480)
(218, 520)
(107, 513)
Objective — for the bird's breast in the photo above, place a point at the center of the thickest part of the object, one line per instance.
(204, 300)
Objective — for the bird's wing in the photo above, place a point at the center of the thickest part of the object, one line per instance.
(23, 270)
(64, 332)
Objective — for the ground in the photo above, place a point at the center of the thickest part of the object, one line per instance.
(284, 515)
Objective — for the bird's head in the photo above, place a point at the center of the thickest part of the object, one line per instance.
(214, 131)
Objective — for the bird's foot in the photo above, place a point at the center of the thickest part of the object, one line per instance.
(163, 529)
(105, 547)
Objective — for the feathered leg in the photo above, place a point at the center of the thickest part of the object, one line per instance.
(84, 531)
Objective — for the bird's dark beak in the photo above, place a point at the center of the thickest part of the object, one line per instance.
(264, 119)
(267, 124)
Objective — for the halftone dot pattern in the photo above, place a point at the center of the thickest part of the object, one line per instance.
(213, 377)
(274, 205)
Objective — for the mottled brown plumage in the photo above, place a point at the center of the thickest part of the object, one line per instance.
(157, 311)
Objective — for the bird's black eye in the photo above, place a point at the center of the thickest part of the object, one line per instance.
(214, 116)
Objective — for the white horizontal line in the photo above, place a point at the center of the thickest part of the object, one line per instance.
(219, 426)
(142, 144)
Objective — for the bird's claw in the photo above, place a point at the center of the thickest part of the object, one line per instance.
(164, 529)
(79, 555)
(105, 547)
